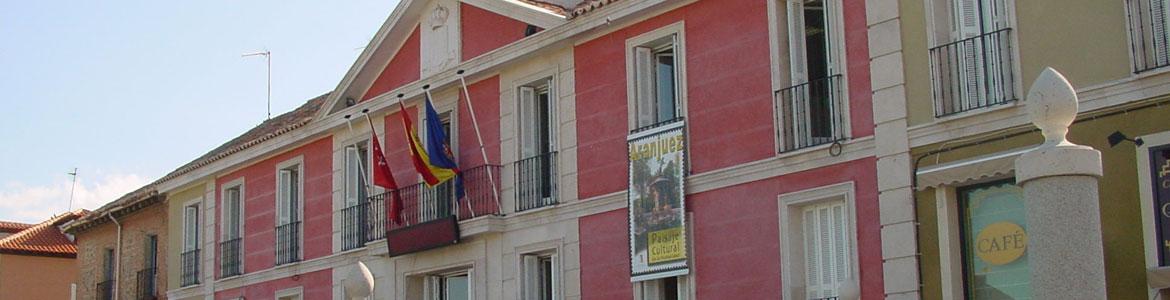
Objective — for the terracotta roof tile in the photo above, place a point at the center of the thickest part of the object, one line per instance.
(44, 239)
(13, 227)
(588, 6)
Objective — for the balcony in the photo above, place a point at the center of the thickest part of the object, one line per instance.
(363, 222)
(973, 73)
(1149, 32)
(430, 214)
(811, 114)
(189, 268)
(145, 288)
(105, 290)
(536, 182)
(288, 243)
(229, 258)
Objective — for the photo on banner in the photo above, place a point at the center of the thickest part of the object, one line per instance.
(658, 243)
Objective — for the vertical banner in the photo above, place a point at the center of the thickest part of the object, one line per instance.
(658, 244)
(1160, 171)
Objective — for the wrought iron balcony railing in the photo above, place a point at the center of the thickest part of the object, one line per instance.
(973, 73)
(536, 181)
(422, 204)
(189, 274)
(1149, 33)
(362, 223)
(230, 255)
(145, 287)
(105, 290)
(811, 113)
(288, 243)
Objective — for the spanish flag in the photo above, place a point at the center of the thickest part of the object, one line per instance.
(434, 160)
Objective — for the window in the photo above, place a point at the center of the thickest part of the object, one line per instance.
(453, 286)
(357, 211)
(811, 111)
(437, 202)
(288, 213)
(1149, 22)
(972, 65)
(819, 252)
(105, 289)
(146, 276)
(190, 256)
(656, 73)
(825, 249)
(994, 241)
(539, 276)
(231, 230)
(536, 171)
(669, 288)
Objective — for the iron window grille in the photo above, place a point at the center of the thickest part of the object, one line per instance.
(973, 73)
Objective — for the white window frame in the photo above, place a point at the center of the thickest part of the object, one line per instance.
(1146, 193)
(197, 205)
(686, 290)
(431, 284)
(548, 81)
(654, 39)
(297, 293)
(299, 215)
(223, 213)
(346, 183)
(526, 267)
(792, 230)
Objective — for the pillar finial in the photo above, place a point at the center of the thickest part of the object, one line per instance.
(1052, 106)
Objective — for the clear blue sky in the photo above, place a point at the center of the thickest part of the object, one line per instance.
(128, 90)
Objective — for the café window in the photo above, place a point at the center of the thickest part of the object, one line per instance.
(994, 240)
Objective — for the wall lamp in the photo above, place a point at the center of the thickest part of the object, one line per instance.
(1117, 137)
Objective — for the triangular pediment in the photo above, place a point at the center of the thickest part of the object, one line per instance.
(410, 44)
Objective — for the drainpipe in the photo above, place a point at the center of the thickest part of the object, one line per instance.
(117, 256)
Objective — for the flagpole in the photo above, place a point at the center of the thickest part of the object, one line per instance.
(479, 137)
(427, 90)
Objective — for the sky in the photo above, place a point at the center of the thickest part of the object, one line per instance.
(127, 91)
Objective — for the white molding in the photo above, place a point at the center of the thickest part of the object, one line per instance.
(520, 11)
(789, 207)
(297, 292)
(1150, 241)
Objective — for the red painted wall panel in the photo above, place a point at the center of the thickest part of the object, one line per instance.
(485, 95)
(484, 31)
(402, 69)
(315, 285)
(260, 203)
(736, 232)
(729, 92)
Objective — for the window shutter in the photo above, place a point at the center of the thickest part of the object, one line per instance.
(1160, 20)
(528, 122)
(826, 249)
(644, 103)
(796, 41)
(811, 254)
(191, 228)
(283, 198)
(966, 19)
(531, 284)
(352, 176)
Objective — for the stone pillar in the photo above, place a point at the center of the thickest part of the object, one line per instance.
(1059, 180)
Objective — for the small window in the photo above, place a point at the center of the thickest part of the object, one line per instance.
(994, 237)
(669, 288)
(656, 81)
(971, 60)
(191, 227)
(539, 277)
(812, 110)
(232, 213)
(454, 286)
(288, 214)
(356, 171)
(826, 249)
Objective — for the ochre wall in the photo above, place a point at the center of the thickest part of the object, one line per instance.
(175, 202)
(1120, 204)
(36, 277)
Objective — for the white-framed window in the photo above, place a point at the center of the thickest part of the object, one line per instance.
(536, 169)
(295, 293)
(357, 171)
(231, 245)
(539, 276)
(1149, 33)
(289, 210)
(190, 262)
(191, 227)
(808, 46)
(438, 202)
(818, 231)
(449, 286)
(972, 64)
(657, 71)
(669, 288)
